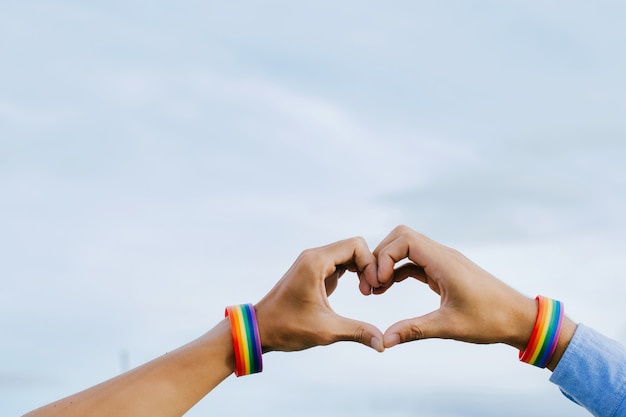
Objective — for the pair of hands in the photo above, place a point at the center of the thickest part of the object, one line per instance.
(475, 306)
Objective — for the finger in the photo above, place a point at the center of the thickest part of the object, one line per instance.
(355, 251)
(406, 244)
(331, 284)
(333, 279)
(388, 256)
(431, 325)
(341, 269)
(381, 252)
(380, 290)
(346, 329)
(393, 235)
(408, 270)
(364, 286)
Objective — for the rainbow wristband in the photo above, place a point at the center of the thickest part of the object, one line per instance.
(246, 340)
(545, 335)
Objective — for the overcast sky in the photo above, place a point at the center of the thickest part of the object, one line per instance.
(159, 161)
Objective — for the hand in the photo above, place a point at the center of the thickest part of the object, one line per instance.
(475, 306)
(296, 314)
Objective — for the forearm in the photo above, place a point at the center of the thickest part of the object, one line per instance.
(294, 315)
(165, 387)
(592, 372)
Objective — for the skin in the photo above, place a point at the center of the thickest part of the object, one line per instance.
(475, 306)
(294, 315)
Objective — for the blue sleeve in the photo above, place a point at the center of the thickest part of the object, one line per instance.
(592, 373)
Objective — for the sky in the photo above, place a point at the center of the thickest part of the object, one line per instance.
(160, 161)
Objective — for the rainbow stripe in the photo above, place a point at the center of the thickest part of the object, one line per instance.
(246, 340)
(545, 335)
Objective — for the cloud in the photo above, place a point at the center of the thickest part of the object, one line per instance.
(160, 161)
(19, 380)
(555, 189)
(29, 117)
(442, 402)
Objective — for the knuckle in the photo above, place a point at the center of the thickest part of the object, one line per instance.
(357, 242)
(307, 256)
(415, 332)
(308, 260)
(402, 229)
(404, 234)
(359, 335)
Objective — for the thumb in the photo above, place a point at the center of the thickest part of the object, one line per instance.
(358, 331)
(428, 326)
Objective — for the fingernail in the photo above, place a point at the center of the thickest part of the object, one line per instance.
(392, 340)
(377, 344)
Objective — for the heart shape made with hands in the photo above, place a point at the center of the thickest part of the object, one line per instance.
(404, 301)
(474, 306)
(297, 312)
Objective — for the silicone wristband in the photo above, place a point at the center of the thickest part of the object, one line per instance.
(545, 335)
(246, 340)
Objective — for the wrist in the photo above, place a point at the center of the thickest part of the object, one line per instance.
(567, 332)
(523, 322)
(523, 315)
(264, 333)
(246, 340)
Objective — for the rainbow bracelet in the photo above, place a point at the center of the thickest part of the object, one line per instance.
(246, 340)
(545, 335)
